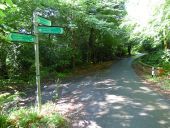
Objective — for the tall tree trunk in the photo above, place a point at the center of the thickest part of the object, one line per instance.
(165, 40)
(91, 45)
(74, 50)
(129, 49)
(3, 66)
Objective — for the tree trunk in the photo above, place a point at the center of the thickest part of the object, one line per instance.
(165, 41)
(129, 49)
(91, 45)
(3, 67)
(74, 50)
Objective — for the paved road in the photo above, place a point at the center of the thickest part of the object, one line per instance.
(114, 98)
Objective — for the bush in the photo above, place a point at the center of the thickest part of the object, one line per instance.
(158, 59)
(8, 100)
(25, 118)
(55, 121)
(4, 121)
(29, 118)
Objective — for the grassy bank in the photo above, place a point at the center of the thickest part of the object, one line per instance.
(23, 117)
(160, 83)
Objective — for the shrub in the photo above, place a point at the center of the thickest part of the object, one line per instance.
(8, 100)
(4, 121)
(25, 118)
(29, 118)
(55, 121)
(160, 58)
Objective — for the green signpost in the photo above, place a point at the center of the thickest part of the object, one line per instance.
(21, 37)
(50, 30)
(34, 38)
(42, 21)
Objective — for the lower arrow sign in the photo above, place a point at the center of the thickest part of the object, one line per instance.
(50, 30)
(21, 37)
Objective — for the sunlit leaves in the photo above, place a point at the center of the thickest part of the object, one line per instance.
(9, 2)
(148, 20)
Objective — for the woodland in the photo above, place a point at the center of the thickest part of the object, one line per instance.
(95, 31)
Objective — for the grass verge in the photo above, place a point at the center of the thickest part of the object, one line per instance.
(30, 118)
(160, 83)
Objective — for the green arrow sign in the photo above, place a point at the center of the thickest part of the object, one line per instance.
(21, 37)
(50, 30)
(43, 21)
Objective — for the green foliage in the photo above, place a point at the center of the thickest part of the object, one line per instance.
(158, 59)
(4, 121)
(151, 26)
(24, 118)
(55, 121)
(29, 118)
(166, 85)
(91, 34)
(8, 101)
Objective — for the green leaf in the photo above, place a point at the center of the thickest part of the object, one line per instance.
(9, 2)
(2, 1)
(2, 14)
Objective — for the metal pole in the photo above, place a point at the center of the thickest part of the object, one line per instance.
(37, 65)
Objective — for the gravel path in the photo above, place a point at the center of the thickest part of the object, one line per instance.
(113, 98)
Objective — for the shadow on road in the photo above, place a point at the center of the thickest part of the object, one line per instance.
(113, 98)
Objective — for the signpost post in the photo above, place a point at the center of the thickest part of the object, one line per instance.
(37, 65)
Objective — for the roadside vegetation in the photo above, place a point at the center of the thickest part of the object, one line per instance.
(14, 116)
(156, 62)
(149, 30)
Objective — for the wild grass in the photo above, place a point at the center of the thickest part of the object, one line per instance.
(31, 118)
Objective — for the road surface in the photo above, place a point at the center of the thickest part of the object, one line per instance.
(113, 98)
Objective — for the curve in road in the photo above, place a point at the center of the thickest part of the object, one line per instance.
(114, 98)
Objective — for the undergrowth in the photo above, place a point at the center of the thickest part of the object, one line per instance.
(17, 117)
(158, 59)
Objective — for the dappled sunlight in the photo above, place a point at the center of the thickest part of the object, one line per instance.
(114, 99)
(90, 102)
(76, 92)
(134, 104)
(93, 125)
(149, 108)
(123, 115)
(117, 107)
(162, 122)
(85, 124)
(86, 98)
(101, 113)
(94, 101)
(162, 106)
(127, 82)
(105, 82)
(102, 104)
(145, 89)
(117, 87)
(100, 88)
(143, 114)
(99, 100)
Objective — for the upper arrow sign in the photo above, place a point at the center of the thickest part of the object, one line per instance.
(43, 21)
